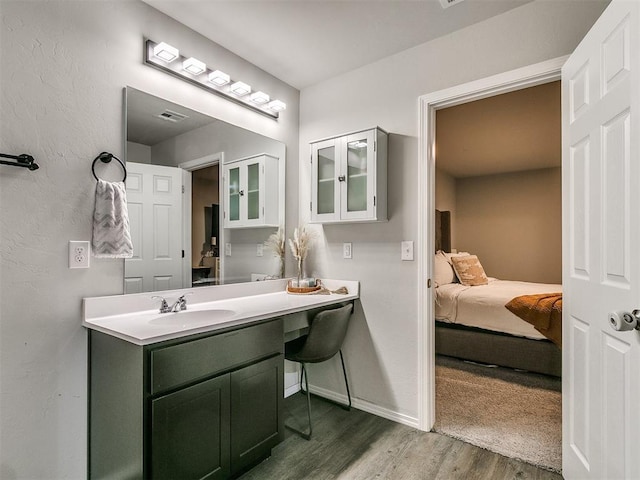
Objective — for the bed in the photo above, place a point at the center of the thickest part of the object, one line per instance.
(473, 323)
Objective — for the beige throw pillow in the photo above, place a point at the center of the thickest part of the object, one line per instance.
(469, 270)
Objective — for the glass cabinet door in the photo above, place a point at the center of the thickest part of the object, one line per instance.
(234, 194)
(326, 179)
(357, 198)
(253, 191)
(325, 191)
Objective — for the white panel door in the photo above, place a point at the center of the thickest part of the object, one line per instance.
(601, 274)
(154, 199)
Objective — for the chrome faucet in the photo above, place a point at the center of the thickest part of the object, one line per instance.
(181, 303)
(164, 306)
(178, 306)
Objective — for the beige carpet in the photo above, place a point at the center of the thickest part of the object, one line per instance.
(515, 414)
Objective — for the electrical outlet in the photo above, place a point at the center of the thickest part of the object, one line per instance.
(79, 252)
(227, 249)
(346, 250)
(407, 250)
(259, 250)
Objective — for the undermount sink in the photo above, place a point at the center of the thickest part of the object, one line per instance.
(192, 317)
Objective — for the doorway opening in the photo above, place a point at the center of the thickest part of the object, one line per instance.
(202, 227)
(534, 75)
(498, 190)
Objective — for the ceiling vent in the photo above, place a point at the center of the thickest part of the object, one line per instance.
(448, 3)
(172, 116)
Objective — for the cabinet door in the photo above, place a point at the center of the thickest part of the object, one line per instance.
(253, 205)
(325, 170)
(256, 417)
(234, 193)
(190, 431)
(358, 170)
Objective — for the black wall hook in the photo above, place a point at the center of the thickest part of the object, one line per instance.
(106, 157)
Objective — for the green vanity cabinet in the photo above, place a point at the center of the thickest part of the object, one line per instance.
(189, 432)
(206, 406)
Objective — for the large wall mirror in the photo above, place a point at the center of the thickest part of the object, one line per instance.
(182, 181)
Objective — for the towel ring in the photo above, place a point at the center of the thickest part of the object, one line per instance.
(105, 157)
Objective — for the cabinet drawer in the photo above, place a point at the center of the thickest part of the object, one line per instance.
(180, 364)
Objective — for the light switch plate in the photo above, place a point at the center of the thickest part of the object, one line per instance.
(346, 250)
(259, 250)
(79, 252)
(407, 250)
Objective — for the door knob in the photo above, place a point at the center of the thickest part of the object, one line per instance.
(622, 321)
(341, 178)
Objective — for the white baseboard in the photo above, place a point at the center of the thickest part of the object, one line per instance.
(293, 389)
(359, 404)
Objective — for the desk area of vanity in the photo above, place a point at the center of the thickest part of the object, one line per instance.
(197, 393)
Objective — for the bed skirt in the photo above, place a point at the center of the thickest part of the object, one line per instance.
(475, 344)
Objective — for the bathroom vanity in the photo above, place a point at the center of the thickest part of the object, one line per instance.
(193, 394)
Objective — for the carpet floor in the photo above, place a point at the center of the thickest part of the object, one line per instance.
(515, 414)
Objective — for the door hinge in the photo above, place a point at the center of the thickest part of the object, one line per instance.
(182, 253)
(311, 159)
(429, 283)
(374, 200)
(311, 206)
(182, 188)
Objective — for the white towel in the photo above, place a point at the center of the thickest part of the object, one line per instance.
(111, 236)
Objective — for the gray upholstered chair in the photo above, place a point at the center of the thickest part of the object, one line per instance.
(326, 334)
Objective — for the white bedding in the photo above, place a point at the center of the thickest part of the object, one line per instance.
(483, 306)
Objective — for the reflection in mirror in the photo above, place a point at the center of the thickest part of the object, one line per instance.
(176, 163)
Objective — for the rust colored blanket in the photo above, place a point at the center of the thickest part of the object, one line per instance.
(543, 311)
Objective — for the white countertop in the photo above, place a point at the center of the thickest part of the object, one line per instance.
(136, 318)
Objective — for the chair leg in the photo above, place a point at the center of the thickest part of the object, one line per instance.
(346, 382)
(303, 374)
(306, 385)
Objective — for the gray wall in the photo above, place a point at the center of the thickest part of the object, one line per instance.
(65, 64)
(381, 347)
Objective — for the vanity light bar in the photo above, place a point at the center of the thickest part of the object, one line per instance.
(165, 57)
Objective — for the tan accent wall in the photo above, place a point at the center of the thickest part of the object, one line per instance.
(513, 223)
(446, 198)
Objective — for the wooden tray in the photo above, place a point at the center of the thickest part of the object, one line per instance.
(303, 290)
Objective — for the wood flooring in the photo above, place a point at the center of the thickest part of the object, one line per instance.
(354, 445)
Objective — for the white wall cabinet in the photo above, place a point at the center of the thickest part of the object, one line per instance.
(251, 191)
(349, 178)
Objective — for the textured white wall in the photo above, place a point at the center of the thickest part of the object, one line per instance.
(381, 348)
(64, 65)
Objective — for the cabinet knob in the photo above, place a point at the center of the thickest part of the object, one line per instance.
(241, 193)
(341, 178)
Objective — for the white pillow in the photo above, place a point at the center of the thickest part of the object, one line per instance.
(443, 273)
